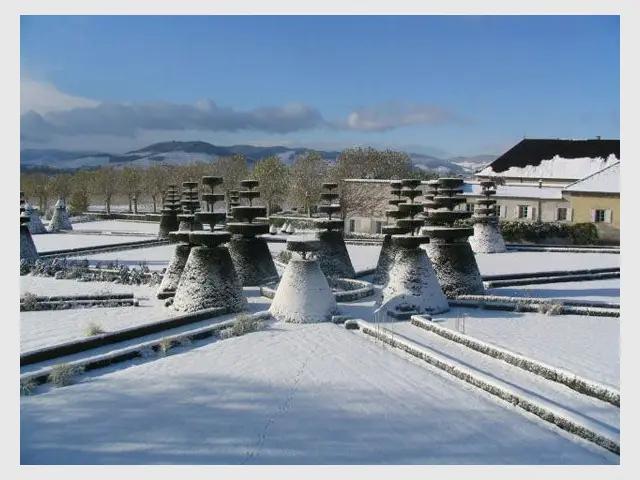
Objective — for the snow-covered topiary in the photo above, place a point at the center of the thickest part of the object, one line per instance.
(284, 227)
(303, 295)
(456, 268)
(174, 270)
(385, 260)
(35, 224)
(332, 255)
(273, 230)
(209, 280)
(487, 238)
(253, 261)
(290, 229)
(28, 249)
(411, 274)
(60, 219)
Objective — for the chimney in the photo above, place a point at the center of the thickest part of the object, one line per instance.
(598, 137)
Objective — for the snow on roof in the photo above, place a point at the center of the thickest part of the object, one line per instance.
(515, 191)
(606, 180)
(556, 167)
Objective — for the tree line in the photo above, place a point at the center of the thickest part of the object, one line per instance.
(297, 186)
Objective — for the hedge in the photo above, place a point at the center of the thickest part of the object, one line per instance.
(538, 232)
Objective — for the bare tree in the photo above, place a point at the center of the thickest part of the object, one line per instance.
(62, 186)
(131, 183)
(367, 163)
(105, 184)
(81, 182)
(232, 170)
(37, 185)
(273, 176)
(307, 173)
(155, 182)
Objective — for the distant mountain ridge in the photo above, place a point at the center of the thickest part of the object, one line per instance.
(180, 152)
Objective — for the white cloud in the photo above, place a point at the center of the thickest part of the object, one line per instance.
(44, 98)
(393, 115)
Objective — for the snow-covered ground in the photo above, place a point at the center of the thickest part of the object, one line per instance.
(49, 328)
(293, 394)
(600, 290)
(587, 346)
(48, 242)
(118, 226)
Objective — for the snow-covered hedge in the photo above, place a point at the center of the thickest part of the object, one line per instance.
(63, 269)
(541, 232)
(554, 374)
(344, 289)
(536, 300)
(554, 307)
(485, 383)
(534, 280)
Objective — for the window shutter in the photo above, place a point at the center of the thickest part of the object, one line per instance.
(503, 211)
(569, 214)
(607, 216)
(593, 215)
(532, 213)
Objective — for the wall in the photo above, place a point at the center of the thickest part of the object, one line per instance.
(583, 203)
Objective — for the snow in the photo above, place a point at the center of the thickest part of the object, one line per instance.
(514, 191)
(303, 294)
(556, 167)
(597, 415)
(606, 180)
(588, 346)
(118, 226)
(523, 262)
(591, 290)
(58, 241)
(49, 328)
(293, 394)
(35, 222)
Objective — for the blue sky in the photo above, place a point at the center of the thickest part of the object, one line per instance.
(431, 84)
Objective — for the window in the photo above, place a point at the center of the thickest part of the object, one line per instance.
(378, 227)
(599, 215)
(523, 211)
(352, 225)
(562, 213)
(496, 208)
(469, 207)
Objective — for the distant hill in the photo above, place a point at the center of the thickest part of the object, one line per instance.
(176, 152)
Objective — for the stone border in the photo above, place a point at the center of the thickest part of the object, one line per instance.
(366, 289)
(110, 338)
(569, 379)
(521, 248)
(538, 300)
(555, 279)
(484, 383)
(129, 353)
(533, 307)
(97, 296)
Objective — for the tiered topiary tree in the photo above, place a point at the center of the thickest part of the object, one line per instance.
(449, 249)
(170, 209)
(28, 249)
(411, 279)
(249, 251)
(487, 237)
(332, 254)
(387, 252)
(209, 278)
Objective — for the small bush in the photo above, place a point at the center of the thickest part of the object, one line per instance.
(284, 256)
(64, 374)
(29, 301)
(242, 324)
(94, 329)
(550, 308)
(164, 346)
(27, 387)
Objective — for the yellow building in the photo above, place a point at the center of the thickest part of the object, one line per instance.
(596, 199)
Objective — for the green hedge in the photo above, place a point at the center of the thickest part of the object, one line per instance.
(541, 232)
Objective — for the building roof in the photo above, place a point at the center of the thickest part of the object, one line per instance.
(515, 191)
(606, 180)
(559, 159)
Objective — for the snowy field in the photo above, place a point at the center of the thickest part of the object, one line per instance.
(48, 242)
(49, 328)
(315, 394)
(587, 346)
(117, 226)
(293, 394)
(592, 290)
